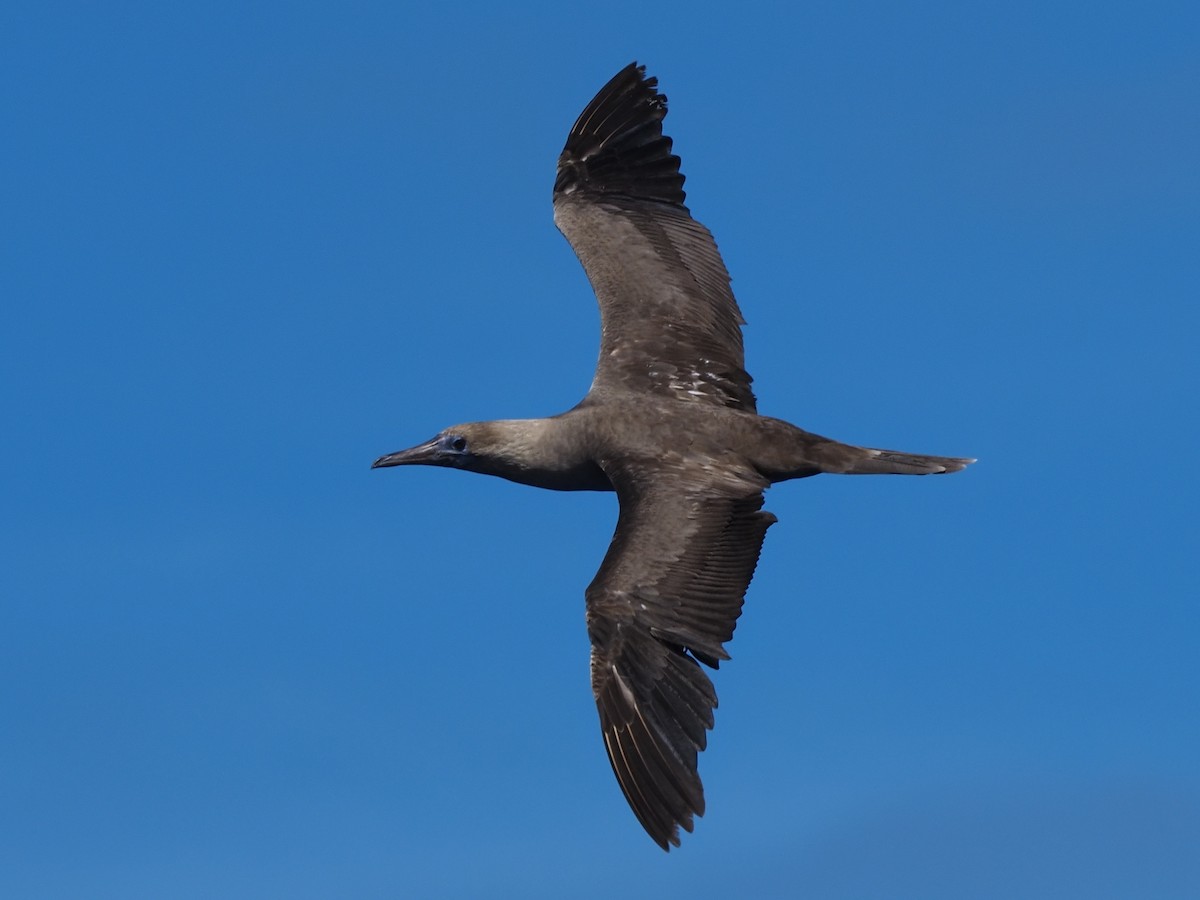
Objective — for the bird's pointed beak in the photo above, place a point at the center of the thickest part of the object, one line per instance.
(413, 456)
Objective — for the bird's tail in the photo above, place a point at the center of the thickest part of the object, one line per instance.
(848, 460)
(790, 452)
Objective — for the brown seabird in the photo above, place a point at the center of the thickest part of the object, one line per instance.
(670, 425)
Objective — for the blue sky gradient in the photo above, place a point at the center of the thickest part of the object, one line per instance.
(249, 248)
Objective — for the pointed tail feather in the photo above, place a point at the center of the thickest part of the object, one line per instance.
(868, 461)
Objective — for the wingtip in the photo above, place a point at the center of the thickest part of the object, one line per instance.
(617, 146)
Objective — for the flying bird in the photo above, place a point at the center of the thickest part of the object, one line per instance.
(670, 425)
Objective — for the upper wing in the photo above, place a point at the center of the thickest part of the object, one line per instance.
(669, 322)
(669, 593)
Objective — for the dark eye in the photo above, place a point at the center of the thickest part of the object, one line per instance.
(458, 443)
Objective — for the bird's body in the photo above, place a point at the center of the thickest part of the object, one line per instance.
(670, 424)
(568, 452)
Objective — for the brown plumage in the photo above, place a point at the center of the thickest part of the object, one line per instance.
(670, 425)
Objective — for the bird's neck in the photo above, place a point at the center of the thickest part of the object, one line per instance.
(550, 453)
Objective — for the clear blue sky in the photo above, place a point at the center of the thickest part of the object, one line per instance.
(247, 248)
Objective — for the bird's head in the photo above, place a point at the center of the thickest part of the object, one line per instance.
(459, 447)
(540, 452)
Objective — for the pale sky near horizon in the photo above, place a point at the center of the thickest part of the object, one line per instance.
(247, 249)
